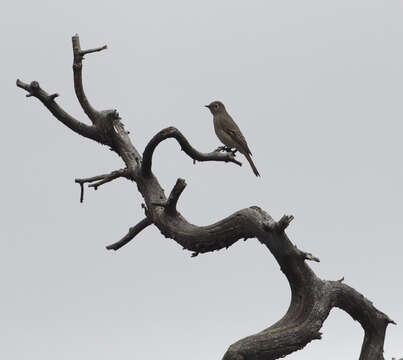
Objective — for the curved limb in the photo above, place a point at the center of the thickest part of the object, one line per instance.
(172, 132)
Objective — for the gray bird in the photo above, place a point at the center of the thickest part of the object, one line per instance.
(229, 133)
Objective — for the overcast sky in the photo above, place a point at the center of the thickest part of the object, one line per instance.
(315, 86)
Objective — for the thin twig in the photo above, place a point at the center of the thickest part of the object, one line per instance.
(81, 192)
(89, 51)
(101, 180)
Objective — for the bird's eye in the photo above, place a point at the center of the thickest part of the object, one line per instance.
(216, 106)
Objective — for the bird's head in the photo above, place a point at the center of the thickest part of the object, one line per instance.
(216, 107)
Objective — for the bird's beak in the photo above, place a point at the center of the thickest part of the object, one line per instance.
(207, 106)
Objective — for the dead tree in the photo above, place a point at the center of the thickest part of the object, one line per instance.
(312, 298)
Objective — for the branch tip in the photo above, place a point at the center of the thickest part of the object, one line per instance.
(133, 231)
(81, 192)
(103, 179)
(89, 51)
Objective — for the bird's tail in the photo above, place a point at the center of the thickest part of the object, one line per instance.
(252, 164)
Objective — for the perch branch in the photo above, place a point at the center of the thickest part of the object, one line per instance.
(133, 231)
(172, 132)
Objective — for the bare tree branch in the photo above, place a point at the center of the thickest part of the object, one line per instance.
(170, 204)
(312, 298)
(101, 180)
(133, 231)
(78, 79)
(35, 90)
(104, 178)
(172, 132)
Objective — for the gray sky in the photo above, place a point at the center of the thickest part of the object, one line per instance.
(316, 87)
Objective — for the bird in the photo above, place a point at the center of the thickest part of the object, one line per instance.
(229, 133)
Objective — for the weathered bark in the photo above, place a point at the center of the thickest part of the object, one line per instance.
(312, 298)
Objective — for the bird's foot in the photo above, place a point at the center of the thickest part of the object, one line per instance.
(226, 149)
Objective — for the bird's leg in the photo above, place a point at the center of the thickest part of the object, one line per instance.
(233, 151)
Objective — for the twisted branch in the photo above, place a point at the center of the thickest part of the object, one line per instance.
(172, 132)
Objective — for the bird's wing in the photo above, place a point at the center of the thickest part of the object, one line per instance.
(230, 127)
(237, 136)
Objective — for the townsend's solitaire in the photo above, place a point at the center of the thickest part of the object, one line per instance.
(229, 133)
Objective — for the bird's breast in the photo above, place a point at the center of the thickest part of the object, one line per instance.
(224, 137)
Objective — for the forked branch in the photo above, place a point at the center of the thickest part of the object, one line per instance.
(312, 298)
(99, 180)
